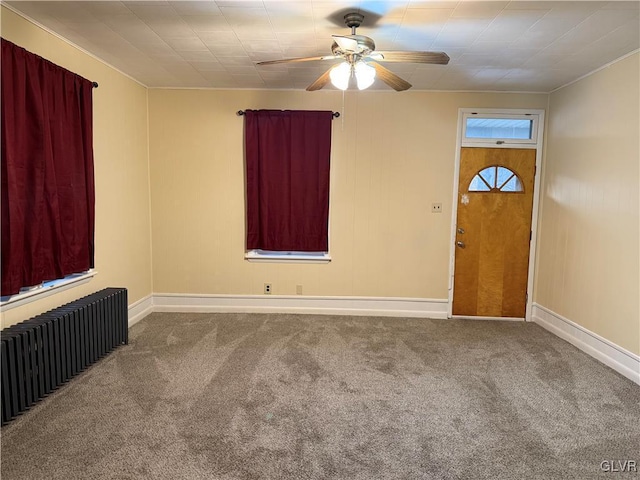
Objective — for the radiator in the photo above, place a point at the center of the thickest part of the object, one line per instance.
(40, 354)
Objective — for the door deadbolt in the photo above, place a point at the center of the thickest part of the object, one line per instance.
(460, 230)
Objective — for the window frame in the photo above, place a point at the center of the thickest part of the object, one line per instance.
(45, 289)
(497, 188)
(286, 256)
(289, 256)
(500, 140)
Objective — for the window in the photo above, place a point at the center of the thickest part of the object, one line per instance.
(47, 192)
(287, 173)
(496, 178)
(499, 129)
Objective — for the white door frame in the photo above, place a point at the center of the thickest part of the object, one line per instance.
(537, 144)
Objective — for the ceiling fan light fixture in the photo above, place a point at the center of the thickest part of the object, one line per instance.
(365, 75)
(340, 76)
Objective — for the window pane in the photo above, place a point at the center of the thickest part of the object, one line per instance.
(503, 175)
(489, 174)
(517, 129)
(477, 185)
(512, 185)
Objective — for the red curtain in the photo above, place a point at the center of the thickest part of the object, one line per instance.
(47, 171)
(287, 161)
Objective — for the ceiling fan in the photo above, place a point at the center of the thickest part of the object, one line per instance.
(361, 61)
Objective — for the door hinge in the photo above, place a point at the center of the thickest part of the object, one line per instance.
(530, 234)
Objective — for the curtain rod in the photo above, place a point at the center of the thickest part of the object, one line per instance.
(95, 84)
(333, 114)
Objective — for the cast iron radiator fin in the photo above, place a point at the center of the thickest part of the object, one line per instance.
(44, 352)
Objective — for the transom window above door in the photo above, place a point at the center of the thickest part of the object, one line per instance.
(499, 129)
(496, 178)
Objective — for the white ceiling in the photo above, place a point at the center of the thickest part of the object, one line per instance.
(533, 46)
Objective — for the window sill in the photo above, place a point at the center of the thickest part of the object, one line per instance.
(286, 258)
(46, 289)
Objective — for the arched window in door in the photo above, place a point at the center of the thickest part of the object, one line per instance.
(496, 178)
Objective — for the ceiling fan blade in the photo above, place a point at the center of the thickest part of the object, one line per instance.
(439, 58)
(390, 78)
(301, 59)
(320, 82)
(346, 42)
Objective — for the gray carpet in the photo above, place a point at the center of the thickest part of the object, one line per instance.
(239, 396)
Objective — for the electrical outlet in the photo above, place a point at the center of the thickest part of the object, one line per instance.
(298, 289)
(267, 289)
(436, 208)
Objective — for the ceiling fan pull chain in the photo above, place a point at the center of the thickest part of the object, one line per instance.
(343, 110)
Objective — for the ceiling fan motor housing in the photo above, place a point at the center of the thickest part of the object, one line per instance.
(365, 46)
(353, 20)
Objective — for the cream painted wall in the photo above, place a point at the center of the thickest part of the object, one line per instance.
(392, 156)
(122, 238)
(588, 261)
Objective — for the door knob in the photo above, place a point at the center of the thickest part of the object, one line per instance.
(460, 244)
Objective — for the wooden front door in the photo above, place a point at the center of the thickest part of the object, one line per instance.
(493, 231)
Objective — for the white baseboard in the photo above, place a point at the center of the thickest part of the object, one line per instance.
(622, 361)
(375, 306)
(140, 309)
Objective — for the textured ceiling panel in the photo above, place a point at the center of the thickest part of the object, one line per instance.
(494, 45)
